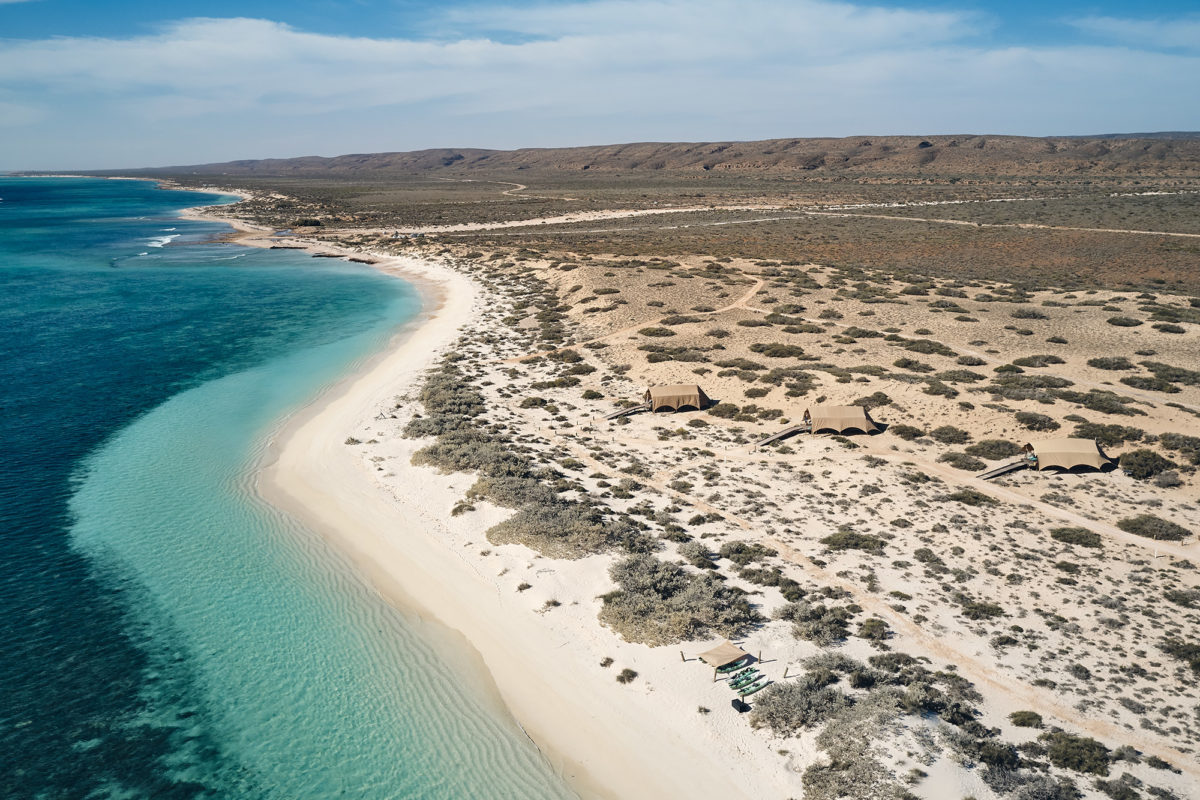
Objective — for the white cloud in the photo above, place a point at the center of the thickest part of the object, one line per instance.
(1157, 33)
(585, 72)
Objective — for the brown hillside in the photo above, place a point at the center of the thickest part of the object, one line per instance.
(857, 156)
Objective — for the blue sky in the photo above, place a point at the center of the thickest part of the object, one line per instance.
(120, 84)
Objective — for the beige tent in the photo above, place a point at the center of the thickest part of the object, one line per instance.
(722, 655)
(1067, 453)
(839, 419)
(725, 653)
(676, 398)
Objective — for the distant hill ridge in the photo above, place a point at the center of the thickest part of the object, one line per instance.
(1152, 154)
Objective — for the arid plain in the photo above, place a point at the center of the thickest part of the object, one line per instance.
(925, 632)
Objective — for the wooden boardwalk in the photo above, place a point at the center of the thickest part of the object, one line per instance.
(631, 410)
(1003, 469)
(783, 434)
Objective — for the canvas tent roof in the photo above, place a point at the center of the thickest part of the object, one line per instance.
(676, 397)
(725, 653)
(1067, 453)
(840, 419)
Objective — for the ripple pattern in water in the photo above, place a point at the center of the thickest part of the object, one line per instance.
(167, 635)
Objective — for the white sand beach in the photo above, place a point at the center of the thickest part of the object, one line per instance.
(607, 741)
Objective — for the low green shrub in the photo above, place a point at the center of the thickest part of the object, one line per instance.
(1078, 753)
(1153, 527)
(1187, 446)
(776, 350)
(960, 376)
(906, 432)
(724, 410)
(1108, 434)
(1036, 422)
(994, 449)
(1038, 361)
(948, 434)
(742, 553)
(1078, 536)
(929, 347)
(697, 554)
(1151, 383)
(1025, 719)
(816, 622)
(850, 540)
(1124, 322)
(658, 603)
(1145, 464)
(1103, 401)
(962, 461)
(1188, 652)
(971, 497)
(1111, 363)
(1170, 374)
(912, 365)
(787, 708)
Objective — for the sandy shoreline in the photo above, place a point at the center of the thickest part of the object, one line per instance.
(597, 737)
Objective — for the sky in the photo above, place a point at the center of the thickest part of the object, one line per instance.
(111, 84)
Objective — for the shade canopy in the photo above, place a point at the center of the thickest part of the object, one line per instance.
(1067, 453)
(676, 398)
(725, 653)
(840, 419)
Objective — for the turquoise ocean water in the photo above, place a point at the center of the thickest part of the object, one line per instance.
(164, 633)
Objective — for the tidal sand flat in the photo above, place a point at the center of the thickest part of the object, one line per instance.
(168, 634)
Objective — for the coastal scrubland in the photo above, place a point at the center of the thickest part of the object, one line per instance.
(927, 633)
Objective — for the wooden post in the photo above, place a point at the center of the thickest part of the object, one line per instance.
(785, 671)
(681, 658)
(714, 674)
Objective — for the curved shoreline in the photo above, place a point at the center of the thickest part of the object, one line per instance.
(601, 741)
(602, 747)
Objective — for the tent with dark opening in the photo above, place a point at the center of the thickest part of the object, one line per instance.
(676, 398)
(839, 419)
(1067, 453)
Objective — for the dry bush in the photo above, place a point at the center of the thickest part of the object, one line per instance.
(659, 603)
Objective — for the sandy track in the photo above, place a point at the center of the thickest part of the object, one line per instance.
(1021, 225)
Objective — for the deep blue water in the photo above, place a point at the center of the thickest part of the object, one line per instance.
(163, 633)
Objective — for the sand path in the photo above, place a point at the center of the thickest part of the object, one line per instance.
(1022, 225)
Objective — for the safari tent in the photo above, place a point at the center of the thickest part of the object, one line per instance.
(723, 655)
(839, 419)
(676, 398)
(1066, 453)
